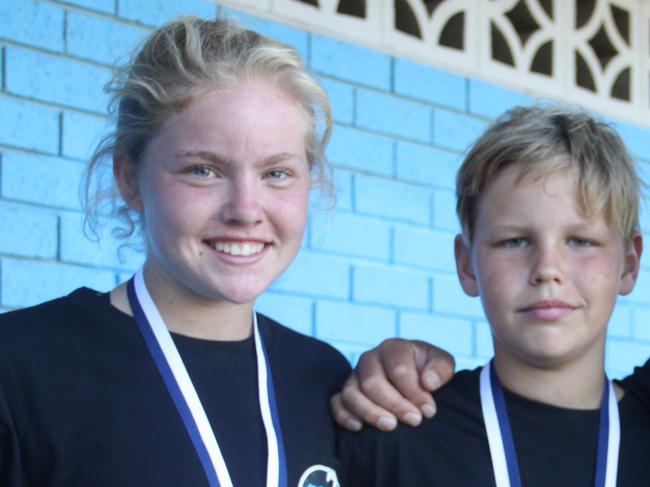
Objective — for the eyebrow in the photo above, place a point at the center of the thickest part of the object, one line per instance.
(220, 159)
(570, 227)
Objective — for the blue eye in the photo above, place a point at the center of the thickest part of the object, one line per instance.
(515, 243)
(277, 174)
(580, 242)
(202, 171)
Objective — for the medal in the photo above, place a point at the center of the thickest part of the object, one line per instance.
(502, 447)
(180, 387)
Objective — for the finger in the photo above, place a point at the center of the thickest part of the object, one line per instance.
(359, 406)
(343, 417)
(383, 371)
(438, 367)
(403, 360)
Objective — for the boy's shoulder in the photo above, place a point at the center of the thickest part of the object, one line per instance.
(435, 453)
(458, 405)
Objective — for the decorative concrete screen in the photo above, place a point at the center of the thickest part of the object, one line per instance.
(592, 52)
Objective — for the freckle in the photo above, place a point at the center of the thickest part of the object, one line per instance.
(200, 252)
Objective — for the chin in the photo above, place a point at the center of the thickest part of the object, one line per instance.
(548, 358)
(241, 296)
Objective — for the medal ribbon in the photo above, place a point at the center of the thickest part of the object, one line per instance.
(502, 446)
(180, 387)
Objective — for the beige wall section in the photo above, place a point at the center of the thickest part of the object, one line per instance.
(592, 52)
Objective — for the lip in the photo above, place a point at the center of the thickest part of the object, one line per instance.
(216, 245)
(548, 310)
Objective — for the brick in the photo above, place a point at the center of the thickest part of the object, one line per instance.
(444, 212)
(390, 286)
(157, 12)
(39, 179)
(347, 322)
(352, 234)
(27, 232)
(620, 323)
(296, 38)
(29, 126)
(453, 335)
(448, 297)
(20, 288)
(351, 351)
(123, 277)
(424, 248)
(294, 312)
(426, 165)
(36, 23)
(106, 6)
(350, 62)
(316, 274)
(358, 149)
(100, 39)
(323, 203)
(489, 100)
(641, 328)
(393, 115)
(468, 363)
(343, 189)
(56, 80)
(641, 293)
(430, 84)
(455, 131)
(81, 134)
(622, 356)
(484, 343)
(341, 97)
(636, 138)
(391, 199)
(76, 248)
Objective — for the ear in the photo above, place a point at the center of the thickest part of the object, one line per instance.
(464, 267)
(631, 264)
(126, 176)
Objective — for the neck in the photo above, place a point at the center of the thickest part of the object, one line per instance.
(189, 314)
(578, 385)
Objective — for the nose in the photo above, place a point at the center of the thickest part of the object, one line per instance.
(243, 204)
(548, 265)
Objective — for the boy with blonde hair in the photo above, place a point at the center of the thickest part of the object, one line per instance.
(548, 201)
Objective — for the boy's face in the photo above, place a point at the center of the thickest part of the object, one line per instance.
(547, 274)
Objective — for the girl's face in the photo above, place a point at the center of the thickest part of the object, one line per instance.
(223, 189)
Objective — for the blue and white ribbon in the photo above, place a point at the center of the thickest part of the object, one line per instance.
(502, 447)
(180, 387)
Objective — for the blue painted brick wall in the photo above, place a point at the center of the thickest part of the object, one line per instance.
(393, 115)
(362, 150)
(47, 181)
(55, 79)
(349, 62)
(33, 126)
(379, 264)
(38, 24)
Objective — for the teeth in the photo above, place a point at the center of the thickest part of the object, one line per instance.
(245, 249)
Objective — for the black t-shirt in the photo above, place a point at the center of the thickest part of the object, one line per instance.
(82, 402)
(555, 446)
(639, 384)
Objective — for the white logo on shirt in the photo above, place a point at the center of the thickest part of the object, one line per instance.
(319, 476)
